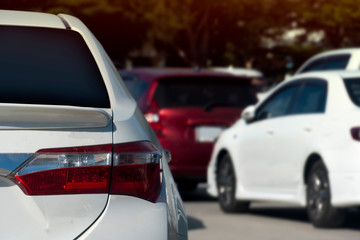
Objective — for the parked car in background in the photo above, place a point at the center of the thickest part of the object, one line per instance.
(341, 59)
(300, 145)
(78, 160)
(188, 109)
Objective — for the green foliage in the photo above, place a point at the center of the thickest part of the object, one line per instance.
(196, 32)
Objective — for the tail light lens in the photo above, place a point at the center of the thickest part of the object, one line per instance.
(80, 170)
(153, 117)
(136, 171)
(355, 133)
(154, 121)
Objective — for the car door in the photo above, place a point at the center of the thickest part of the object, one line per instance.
(256, 140)
(292, 136)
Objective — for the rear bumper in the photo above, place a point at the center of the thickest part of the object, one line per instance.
(343, 167)
(128, 217)
(345, 189)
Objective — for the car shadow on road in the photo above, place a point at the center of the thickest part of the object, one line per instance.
(198, 195)
(288, 213)
(299, 214)
(277, 211)
(194, 223)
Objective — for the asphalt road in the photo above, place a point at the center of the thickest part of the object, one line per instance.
(265, 221)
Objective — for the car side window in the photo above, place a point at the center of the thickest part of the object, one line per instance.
(311, 99)
(337, 62)
(278, 105)
(316, 65)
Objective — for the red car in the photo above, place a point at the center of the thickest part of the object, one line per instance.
(188, 110)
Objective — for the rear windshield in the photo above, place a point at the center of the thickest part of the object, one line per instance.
(48, 66)
(204, 92)
(353, 88)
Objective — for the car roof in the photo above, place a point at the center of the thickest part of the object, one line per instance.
(338, 51)
(326, 74)
(152, 74)
(353, 63)
(22, 18)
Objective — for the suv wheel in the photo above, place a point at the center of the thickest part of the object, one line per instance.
(318, 199)
(226, 183)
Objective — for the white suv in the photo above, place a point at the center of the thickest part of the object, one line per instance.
(341, 59)
(77, 158)
(301, 144)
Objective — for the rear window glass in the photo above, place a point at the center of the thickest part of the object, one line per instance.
(353, 88)
(204, 92)
(48, 66)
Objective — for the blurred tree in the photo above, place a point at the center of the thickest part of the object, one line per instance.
(212, 32)
(339, 20)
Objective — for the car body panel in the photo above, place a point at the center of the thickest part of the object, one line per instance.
(49, 217)
(144, 220)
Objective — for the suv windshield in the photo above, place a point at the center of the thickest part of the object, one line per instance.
(207, 92)
(353, 88)
(48, 66)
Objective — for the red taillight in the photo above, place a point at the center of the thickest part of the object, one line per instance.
(355, 133)
(136, 170)
(80, 170)
(153, 117)
(74, 180)
(75, 170)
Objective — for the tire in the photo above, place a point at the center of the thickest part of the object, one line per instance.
(318, 199)
(226, 184)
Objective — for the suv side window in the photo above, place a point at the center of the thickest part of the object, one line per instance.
(279, 103)
(312, 98)
(319, 64)
(337, 62)
(328, 63)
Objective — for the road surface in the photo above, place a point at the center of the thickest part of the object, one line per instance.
(265, 221)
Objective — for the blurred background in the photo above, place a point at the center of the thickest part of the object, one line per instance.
(274, 36)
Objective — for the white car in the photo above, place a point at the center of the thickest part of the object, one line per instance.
(340, 59)
(78, 160)
(301, 145)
